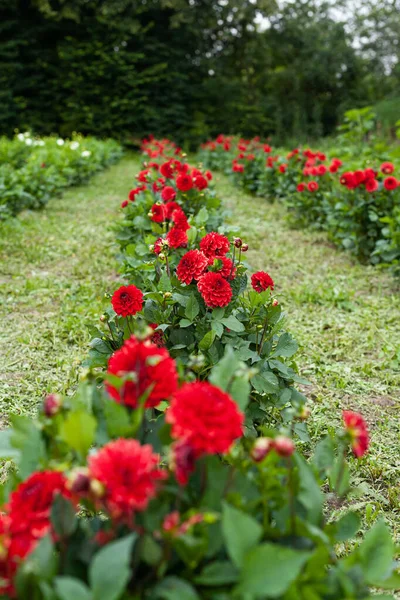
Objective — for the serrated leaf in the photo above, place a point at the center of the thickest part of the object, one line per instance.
(192, 308)
(241, 533)
(78, 431)
(109, 571)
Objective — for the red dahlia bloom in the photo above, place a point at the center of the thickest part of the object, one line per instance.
(214, 244)
(224, 267)
(129, 473)
(157, 337)
(215, 290)
(371, 185)
(356, 427)
(158, 245)
(238, 168)
(179, 219)
(168, 193)
(183, 460)
(322, 169)
(387, 168)
(282, 168)
(333, 168)
(261, 281)
(369, 174)
(359, 177)
(177, 238)
(170, 207)
(205, 417)
(184, 182)
(144, 369)
(132, 194)
(158, 213)
(166, 170)
(348, 180)
(191, 266)
(390, 183)
(142, 176)
(301, 187)
(200, 182)
(127, 300)
(124, 204)
(208, 174)
(312, 186)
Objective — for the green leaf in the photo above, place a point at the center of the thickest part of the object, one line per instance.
(376, 553)
(241, 533)
(240, 392)
(287, 346)
(270, 569)
(233, 323)
(347, 526)
(201, 217)
(207, 340)
(224, 371)
(192, 308)
(78, 431)
(309, 494)
(63, 516)
(109, 572)
(265, 382)
(27, 437)
(164, 285)
(218, 573)
(185, 323)
(218, 313)
(217, 327)
(68, 588)
(172, 588)
(6, 448)
(117, 419)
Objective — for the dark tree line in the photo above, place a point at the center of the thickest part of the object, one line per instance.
(192, 68)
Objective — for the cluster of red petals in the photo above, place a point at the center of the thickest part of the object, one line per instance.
(191, 266)
(214, 244)
(177, 238)
(168, 193)
(145, 369)
(356, 427)
(127, 300)
(387, 168)
(215, 290)
(312, 186)
(390, 183)
(224, 266)
(184, 182)
(261, 281)
(129, 474)
(205, 418)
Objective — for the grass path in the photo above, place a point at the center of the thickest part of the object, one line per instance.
(55, 267)
(346, 317)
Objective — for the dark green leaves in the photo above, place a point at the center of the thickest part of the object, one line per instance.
(109, 571)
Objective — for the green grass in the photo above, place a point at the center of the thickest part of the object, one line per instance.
(346, 317)
(55, 267)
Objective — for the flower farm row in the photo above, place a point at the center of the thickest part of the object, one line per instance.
(33, 170)
(358, 208)
(178, 469)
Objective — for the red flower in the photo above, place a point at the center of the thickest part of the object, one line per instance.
(168, 194)
(184, 182)
(238, 168)
(29, 510)
(369, 174)
(142, 176)
(214, 244)
(357, 430)
(166, 170)
(205, 417)
(282, 168)
(261, 281)
(333, 168)
(348, 180)
(124, 204)
(179, 219)
(387, 168)
(301, 187)
(177, 238)
(127, 300)
(170, 207)
(312, 186)
(157, 337)
(158, 245)
(129, 473)
(132, 194)
(158, 213)
(215, 290)
(359, 177)
(144, 369)
(200, 182)
(371, 185)
(208, 174)
(390, 183)
(191, 266)
(224, 267)
(321, 169)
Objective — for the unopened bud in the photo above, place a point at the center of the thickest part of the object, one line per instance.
(284, 446)
(262, 447)
(97, 488)
(151, 248)
(237, 242)
(304, 413)
(52, 404)
(104, 318)
(245, 247)
(275, 302)
(167, 295)
(161, 256)
(78, 481)
(150, 214)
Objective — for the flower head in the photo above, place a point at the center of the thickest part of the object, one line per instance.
(215, 290)
(177, 238)
(168, 193)
(371, 185)
(312, 186)
(127, 300)
(129, 474)
(184, 182)
(356, 427)
(191, 266)
(387, 168)
(261, 281)
(205, 417)
(390, 183)
(214, 244)
(145, 369)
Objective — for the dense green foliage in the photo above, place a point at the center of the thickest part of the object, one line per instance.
(192, 69)
(34, 170)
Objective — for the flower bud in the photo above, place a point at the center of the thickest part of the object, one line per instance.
(283, 446)
(245, 247)
(262, 447)
(237, 242)
(78, 481)
(275, 302)
(161, 256)
(150, 214)
(104, 318)
(151, 248)
(167, 295)
(52, 404)
(304, 413)
(97, 488)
